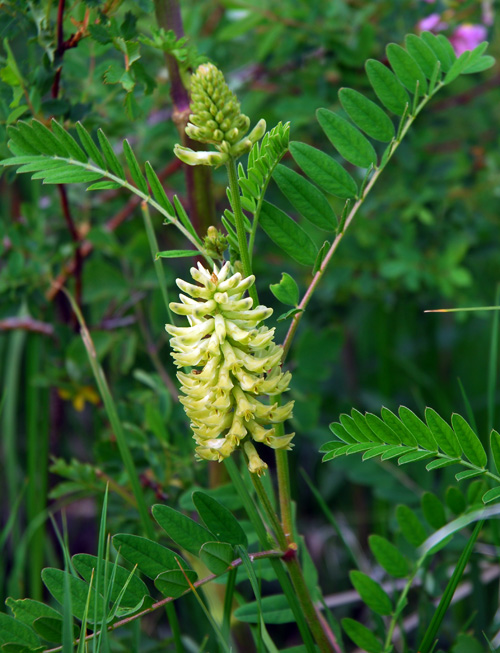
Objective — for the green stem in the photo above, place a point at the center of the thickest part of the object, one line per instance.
(306, 603)
(284, 491)
(264, 537)
(273, 518)
(240, 227)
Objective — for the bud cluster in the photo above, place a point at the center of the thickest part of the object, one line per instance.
(216, 118)
(240, 362)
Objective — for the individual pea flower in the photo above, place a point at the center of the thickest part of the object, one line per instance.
(239, 361)
(216, 118)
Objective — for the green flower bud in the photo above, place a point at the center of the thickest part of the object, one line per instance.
(216, 118)
(239, 364)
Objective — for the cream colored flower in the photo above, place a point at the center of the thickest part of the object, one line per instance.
(239, 364)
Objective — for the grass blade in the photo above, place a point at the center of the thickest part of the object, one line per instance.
(112, 414)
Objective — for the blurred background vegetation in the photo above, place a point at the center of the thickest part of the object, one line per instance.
(427, 237)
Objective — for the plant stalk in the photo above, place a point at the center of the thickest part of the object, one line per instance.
(240, 227)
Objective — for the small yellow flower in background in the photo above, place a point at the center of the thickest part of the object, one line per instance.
(79, 395)
(239, 363)
(216, 118)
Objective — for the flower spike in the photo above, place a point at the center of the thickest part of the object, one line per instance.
(216, 118)
(239, 364)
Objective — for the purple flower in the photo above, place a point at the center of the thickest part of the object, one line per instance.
(432, 23)
(468, 37)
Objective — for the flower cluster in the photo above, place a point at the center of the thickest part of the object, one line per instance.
(240, 362)
(216, 118)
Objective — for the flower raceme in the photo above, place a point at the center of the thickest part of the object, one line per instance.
(239, 363)
(216, 118)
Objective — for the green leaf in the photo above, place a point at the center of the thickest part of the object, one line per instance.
(441, 462)
(306, 198)
(286, 291)
(458, 66)
(376, 451)
(217, 556)
(406, 68)
(387, 87)
(323, 251)
(219, 520)
(289, 314)
(340, 431)
(367, 115)
(71, 146)
(372, 594)
(361, 636)
(433, 510)
(55, 580)
(174, 583)
(89, 145)
(287, 234)
(491, 495)
(443, 434)
(136, 590)
(27, 610)
(388, 556)
(414, 456)
(394, 452)
(104, 185)
(349, 142)
(495, 448)
(275, 610)
(469, 441)
(424, 55)
(15, 632)
(51, 628)
(439, 50)
(68, 175)
(484, 63)
(381, 430)
(468, 473)
(47, 140)
(418, 429)
(359, 436)
(362, 425)
(324, 171)
(410, 525)
(158, 190)
(455, 500)
(398, 427)
(177, 253)
(134, 168)
(111, 159)
(185, 532)
(150, 557)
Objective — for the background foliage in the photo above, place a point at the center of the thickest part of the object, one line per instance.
(426, 238)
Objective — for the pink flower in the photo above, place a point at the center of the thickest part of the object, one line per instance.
(432, 23)
(468, 37)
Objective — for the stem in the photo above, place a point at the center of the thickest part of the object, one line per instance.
(306, 603)
(273, 518)
(198, 178)
(240, 227)
(285, 495)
